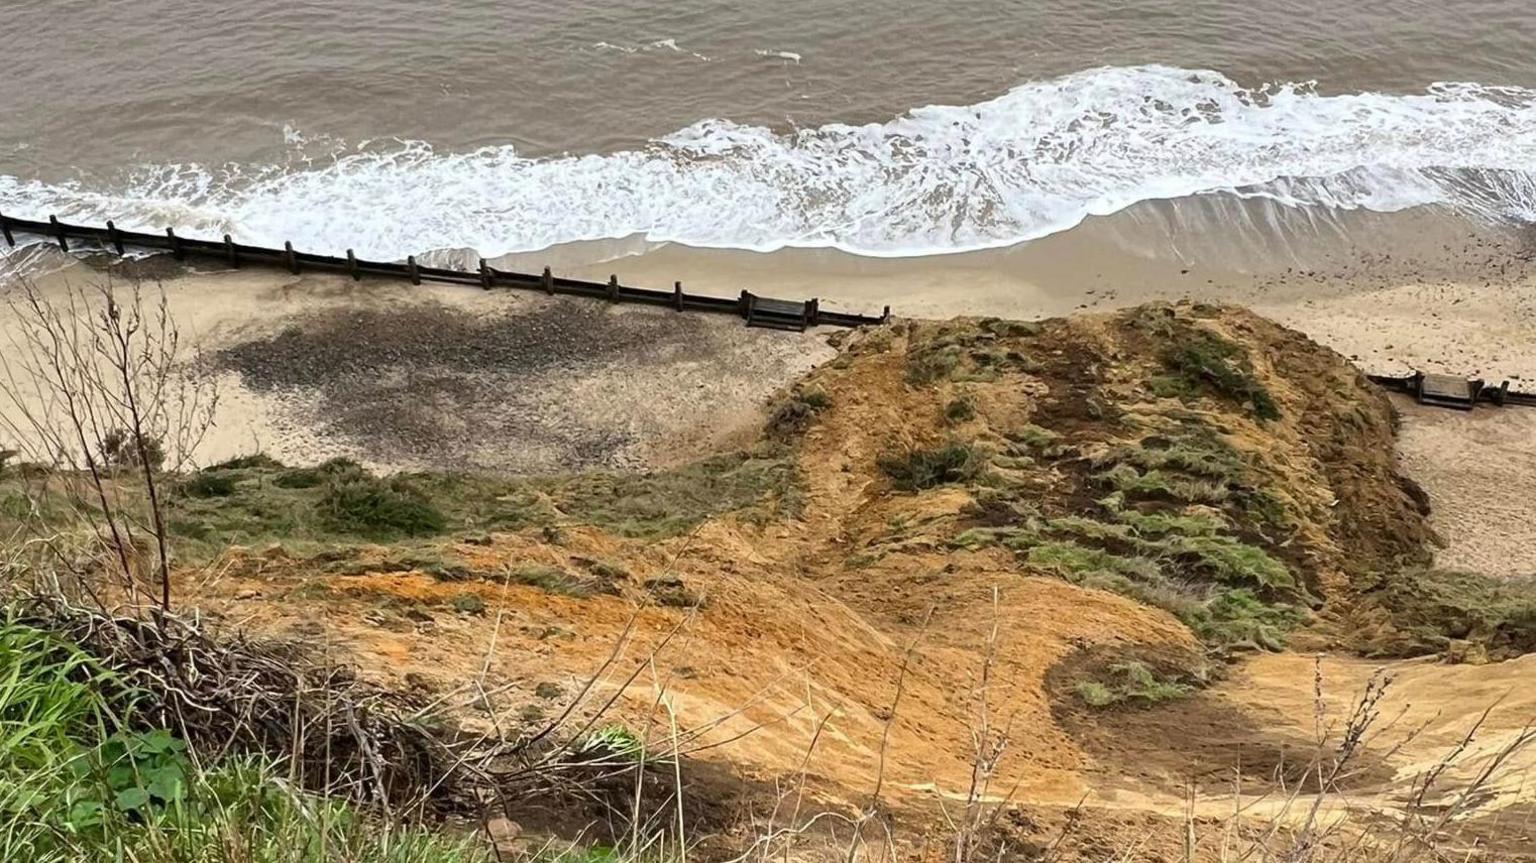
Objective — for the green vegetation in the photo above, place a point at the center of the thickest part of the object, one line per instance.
(918, 469)
(380, 509)
(1429, 608)
(968, 352)
(551, 579)
(468, 603)
(1200, 362)
(207, 484)
(1132, 683)
(794, 413)
(84, 784)
(247, 462)
(256, 502)
(613, 742)
(959, 410)
(1176, 530)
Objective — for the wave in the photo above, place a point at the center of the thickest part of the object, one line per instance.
(1034, 161)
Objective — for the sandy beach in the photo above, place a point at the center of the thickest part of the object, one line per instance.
(401, 377)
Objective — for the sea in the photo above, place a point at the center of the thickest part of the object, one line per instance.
(897, 129)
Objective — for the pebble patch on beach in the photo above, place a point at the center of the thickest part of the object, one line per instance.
(544, 385)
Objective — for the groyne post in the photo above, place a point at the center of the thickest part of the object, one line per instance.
(757, 311)
(58, 231)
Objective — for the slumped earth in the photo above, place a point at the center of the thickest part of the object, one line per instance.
(1137, 566)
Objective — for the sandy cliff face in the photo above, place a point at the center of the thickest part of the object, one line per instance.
(1079, 553)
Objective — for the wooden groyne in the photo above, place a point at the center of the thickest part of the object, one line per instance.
(756, 311)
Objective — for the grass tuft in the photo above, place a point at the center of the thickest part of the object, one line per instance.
(919, 469)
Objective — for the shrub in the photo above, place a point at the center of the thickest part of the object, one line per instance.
(918, 469)
(551, 579)
(254, 461)
(206, 485)
(1429, 607)
(959, 410)
(794, 414)
(371, 507)
(468, 603)
(120, 450)
(304, 477)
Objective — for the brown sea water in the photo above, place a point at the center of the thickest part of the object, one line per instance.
(885, 130)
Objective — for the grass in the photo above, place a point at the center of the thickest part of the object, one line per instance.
(82, 784)
(1429, 609)
(793, 414)
(613, 742)
(256, 502)
(959, 410)
(1133, 683)
(468, 603)
(1156, 484)
(208, 484)
(1201, 362)
(1074, 562)
(551, 579)
(378, 509)
(919, 469)
(247, 462)
(974, 351)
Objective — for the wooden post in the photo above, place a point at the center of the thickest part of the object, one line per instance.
(613, 289)
(744, 305)
(677, 295)
(352, 266)
(549, 281)
(175, 244)
(58, 231)
(813, 311)
(115, 237)
(5, 228)
(410, 268)
(293, 262)
(485, 275)
(885, 315)
(229, 252)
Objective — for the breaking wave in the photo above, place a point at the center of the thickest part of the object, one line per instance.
(1034, 161)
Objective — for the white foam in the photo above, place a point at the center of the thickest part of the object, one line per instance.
(942, 178)
(782, 55)
(658, 45)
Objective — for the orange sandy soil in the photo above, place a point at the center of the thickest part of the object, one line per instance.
(858, 616)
